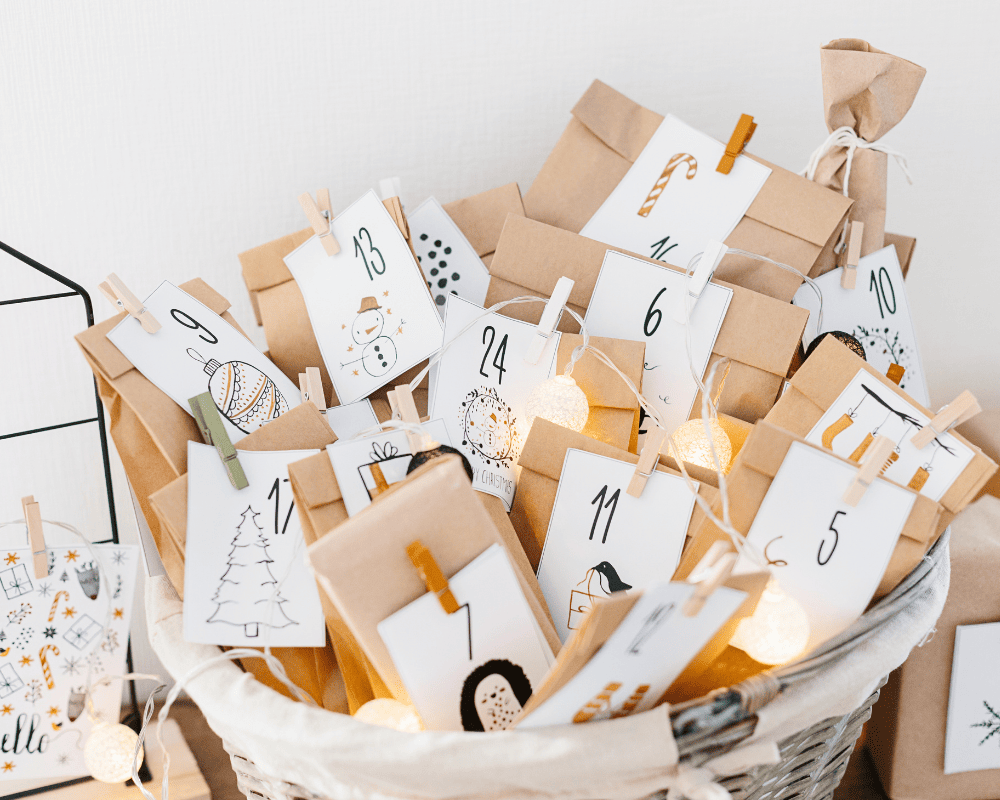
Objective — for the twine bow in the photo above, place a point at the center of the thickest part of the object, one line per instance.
(846, 137)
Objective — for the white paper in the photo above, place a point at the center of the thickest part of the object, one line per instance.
(197, 351)
(347, 421)
(241, 546)
(635, 300)
(865, 400)
(639, 661)
(474, 669)
(52, 636)
(697, 204)
(353, 462)
(972, 739)
(602, 540)
(875, 312)
(369, 305)
(449, 262)
(824, 553)
(482, 388)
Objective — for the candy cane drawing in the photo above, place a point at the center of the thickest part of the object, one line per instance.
(62, 593)
(661, 182)
(46, 669)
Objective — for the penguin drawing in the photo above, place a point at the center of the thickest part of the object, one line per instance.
(610, 582)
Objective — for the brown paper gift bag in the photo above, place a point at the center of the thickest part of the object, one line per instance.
(905, 245)
(868, 91)
(983, 430)
(480, 217)
(365, 570)
(817, 385)
(312, 669)
(760, 334)
(790, 221)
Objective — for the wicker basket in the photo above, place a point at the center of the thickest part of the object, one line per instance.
(282, 750)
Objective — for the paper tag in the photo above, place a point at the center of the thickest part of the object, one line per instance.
(475, 669)
(636, 665)
(826, 554)
(633, 300)
(52, 641)
(866, 409)
(367, 467)
(368, 305)
(347, 421)
(241, 544)
(602, 540)
(876, 313)
(449, 262)
(196, 351)
(672, 201)
(972, 739)
(481, 390)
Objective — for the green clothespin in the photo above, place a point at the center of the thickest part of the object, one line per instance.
(214, 433)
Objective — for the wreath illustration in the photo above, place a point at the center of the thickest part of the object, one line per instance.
(489, 427)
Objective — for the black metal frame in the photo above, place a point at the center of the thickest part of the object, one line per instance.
(134, 718)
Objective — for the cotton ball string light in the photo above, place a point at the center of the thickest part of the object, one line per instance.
(693, 446)
(777, 631)
(390, 714)
(110, 751)
(559, 400)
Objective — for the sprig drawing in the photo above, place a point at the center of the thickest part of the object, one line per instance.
(991, 723)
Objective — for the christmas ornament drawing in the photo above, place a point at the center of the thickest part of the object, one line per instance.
(243, 394)
(378, 354)
(489, 427)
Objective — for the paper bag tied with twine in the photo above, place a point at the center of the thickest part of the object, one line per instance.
(868, 91)
(790, 221)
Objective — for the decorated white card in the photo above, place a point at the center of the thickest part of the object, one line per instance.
(475, 669)
(875, 312)
(602, 540)
(481, 390)
(824, 553)
(636, 665)
(368, 304)
(246, 576)
(449, 262)
(672, 201)
(348, 420)
(637, 300)
(866, 409)
(367, 467)
(54, 633)
(972, 739)
(197, 351)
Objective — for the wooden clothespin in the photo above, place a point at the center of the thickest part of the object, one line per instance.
(550, 317)
(432, 576)
(311, 386)
(36, 536)
(737, 142)
(647, 460)
(698, 279)
(320, 216)
(962, 408)
(876, 459)
(711, 572)
(404, 408)
(120, 295)
(206, 414)
(389, 187)
(895, 373)
(852, 254)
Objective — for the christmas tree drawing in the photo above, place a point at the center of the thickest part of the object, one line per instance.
(247, 584)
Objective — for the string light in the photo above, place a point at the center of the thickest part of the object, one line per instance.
(109, 752)
(390, 714)
(777, 631)
(693, 446)
(559, 400)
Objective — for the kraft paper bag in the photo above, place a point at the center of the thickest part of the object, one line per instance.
(790, 221)
(869, 91)
(905, 245)
(983, 430)
(480, 217)
(759, 334)
(364, 569)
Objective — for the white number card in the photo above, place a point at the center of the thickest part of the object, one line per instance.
(866, 409)
(197, 351)
(481, 390)
(368, 305)
(636, 300)
(473, 670)
(672, 201)
(246, 580)
(348, 420)
(972, 740)
(824, 553)
(602, 540)
(875, 312)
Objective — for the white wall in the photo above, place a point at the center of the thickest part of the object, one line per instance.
(158, 140)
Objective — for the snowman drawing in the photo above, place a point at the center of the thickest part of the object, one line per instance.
(378, 354)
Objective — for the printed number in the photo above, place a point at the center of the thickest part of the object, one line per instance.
(498, 358)
(836, 539)
(194, 325)
(653, 311)
(879, 288)
(359, 251)
(276, 494)
(612, 502)
(660, 248)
